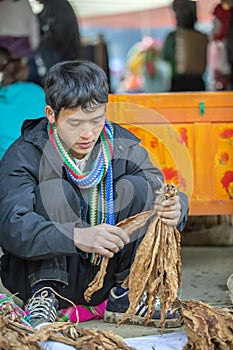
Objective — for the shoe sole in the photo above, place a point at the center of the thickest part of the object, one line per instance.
(115, 317)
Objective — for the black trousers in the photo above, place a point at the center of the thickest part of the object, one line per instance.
(70, 275)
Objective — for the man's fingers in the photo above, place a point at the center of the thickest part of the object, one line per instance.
(114, 244)
(111, 240)
(117, 235)
(103, 239)
(169, 214)
(167, 202)
(175, 207)
(108, 248)
(170, 222)
(169, 210)
(122, 234)
(105, 252)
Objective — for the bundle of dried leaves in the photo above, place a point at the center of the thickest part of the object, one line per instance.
(129, 225)
(15, 335)
(157, 262)
(207, 328)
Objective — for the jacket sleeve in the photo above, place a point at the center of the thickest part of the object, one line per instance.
(138, 164)
(23, 232)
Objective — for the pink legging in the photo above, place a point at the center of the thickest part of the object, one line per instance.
(82, 313)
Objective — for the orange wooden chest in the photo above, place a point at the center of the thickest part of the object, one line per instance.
(190, 137)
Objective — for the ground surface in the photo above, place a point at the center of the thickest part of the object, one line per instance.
(205, 272)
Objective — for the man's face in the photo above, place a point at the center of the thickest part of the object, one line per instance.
(77, 129)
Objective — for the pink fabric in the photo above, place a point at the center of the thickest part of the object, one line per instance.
(82, 313)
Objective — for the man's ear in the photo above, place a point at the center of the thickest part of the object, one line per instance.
(50, 114)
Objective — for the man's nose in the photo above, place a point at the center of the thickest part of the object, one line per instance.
(87, 133)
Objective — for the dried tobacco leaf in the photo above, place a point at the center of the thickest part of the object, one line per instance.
(135, 222)
(207, 328)
(98, 281)
(80, 338)
(15, 335)
(129, 225)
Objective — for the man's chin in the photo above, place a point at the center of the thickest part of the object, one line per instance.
(80, 153)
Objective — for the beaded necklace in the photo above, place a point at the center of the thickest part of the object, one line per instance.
(99, 180)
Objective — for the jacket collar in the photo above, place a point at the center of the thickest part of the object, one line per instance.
(35, 131)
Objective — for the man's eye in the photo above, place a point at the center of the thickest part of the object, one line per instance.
(99, 120)
(73, 124)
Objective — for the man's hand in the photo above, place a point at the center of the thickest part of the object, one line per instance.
(103, 239)
(169, 210)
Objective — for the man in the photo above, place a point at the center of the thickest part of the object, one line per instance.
(65, 183)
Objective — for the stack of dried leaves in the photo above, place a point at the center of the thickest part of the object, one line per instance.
(207, 328)
(15, 335)
(157, 262)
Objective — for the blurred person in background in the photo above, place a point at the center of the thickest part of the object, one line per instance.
(186, 49)
(19, 28)
(59, 35)
(230, 49)
(219, 67)
(19, 99)
(5, 56)
(145, 70)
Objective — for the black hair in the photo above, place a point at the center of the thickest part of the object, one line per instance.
(186, 13)
(78, 83)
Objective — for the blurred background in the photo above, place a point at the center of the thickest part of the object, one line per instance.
(120, 24)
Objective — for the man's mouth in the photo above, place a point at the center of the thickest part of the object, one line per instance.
(85, 145)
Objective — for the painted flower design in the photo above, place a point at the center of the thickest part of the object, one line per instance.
(172, 175)
(223, 158)
(227, 182)
(183, 136)
(154, 142)
(227, 133)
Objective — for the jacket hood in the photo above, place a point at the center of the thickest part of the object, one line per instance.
(35, 129)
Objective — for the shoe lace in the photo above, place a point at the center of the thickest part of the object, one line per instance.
(43, 306)
(156, 301)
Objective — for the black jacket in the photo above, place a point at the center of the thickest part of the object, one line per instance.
(31, 160)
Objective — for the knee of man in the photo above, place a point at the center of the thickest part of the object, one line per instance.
(54, 195)
(131, 188)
